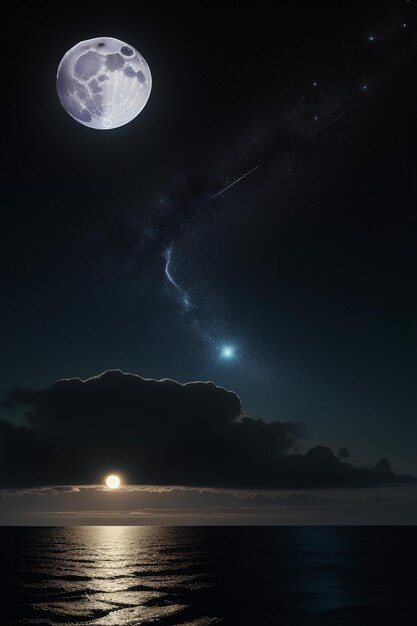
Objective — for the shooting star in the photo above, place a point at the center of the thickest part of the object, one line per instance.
(183, 296)
(407, 221)
(341, 115)
(219, 193)
(168, 255)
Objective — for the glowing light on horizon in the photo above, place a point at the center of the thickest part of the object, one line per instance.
(113, 481)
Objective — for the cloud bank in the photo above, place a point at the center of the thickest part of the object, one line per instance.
(160, 432)
(175, 506)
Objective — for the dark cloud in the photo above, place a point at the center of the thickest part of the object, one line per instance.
(159, 432)
(343, 453)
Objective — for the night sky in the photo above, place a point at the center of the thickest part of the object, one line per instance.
(133, 250)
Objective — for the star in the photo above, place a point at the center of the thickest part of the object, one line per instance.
(227, 352)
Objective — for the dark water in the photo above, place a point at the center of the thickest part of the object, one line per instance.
(123, 576)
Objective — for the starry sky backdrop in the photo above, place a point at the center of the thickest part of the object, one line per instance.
(305, 268)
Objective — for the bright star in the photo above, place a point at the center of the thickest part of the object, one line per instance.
(227, 352)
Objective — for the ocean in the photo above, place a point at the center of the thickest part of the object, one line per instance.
(127, 575)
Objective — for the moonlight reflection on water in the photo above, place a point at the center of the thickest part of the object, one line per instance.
(238, 576)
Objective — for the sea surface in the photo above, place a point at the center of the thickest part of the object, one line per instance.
(125, 576)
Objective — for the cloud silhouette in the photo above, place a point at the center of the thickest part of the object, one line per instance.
(159, 432)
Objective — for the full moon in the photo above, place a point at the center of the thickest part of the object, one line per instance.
(113, 481)
(103, 83)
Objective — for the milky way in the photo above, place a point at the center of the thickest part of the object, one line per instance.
(183, 296)
(195, 314)
(281, 146)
